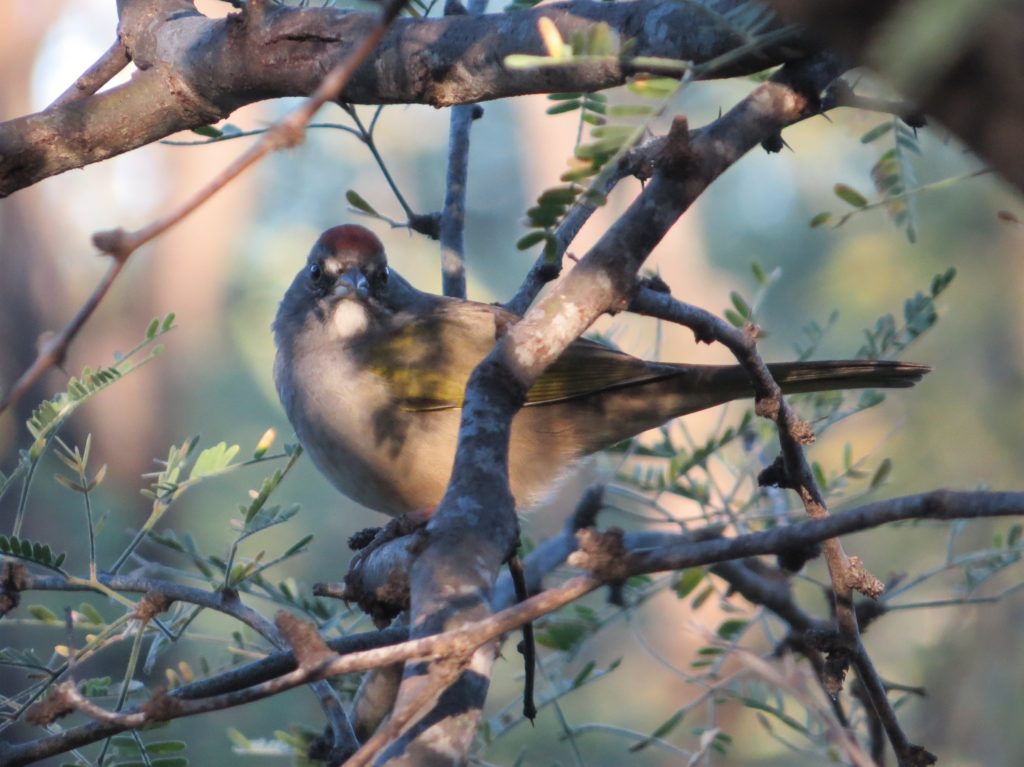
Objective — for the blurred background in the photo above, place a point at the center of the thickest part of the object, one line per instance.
(223, 270)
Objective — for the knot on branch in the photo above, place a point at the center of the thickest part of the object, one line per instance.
(305, 641)
(12, 581)
(288, 133)
(116, 243)
(918, 756)
(602, 553)
(794, 558)
(801, 431)
(833, 672)
(859, 579)
(676, 157)
(151, 605)
(775, 475)
(59, 703)
(363, 538)
(162, 706)
(768, 407)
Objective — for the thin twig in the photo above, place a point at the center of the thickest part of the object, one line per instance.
(453, 214)
(107, 66)
(121, 244)
(528, 647)
(55, 348)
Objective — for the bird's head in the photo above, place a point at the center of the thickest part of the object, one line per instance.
(341, 286)
(346, 262)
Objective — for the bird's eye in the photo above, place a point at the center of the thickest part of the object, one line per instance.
(385, 273)
(315, 272)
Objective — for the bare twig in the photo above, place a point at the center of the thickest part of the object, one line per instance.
(55, 348)
(453, 215)
(527, 648)
(944, 505)
(113, 60)
(121, 244)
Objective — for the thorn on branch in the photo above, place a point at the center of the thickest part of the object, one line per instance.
(676, 157)
(773, 144)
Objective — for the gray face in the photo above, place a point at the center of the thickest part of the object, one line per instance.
(346, 272)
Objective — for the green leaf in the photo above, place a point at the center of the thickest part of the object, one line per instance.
(531, 239)
(870, 398)
(942, 281)
(297, 546)
(563, 107)
(165, 747)
(688, 581)
(581, 677)
(1013, 537)
(213, 460)
(660, 731)
(742, 307)
(876, 133)
(91, 614)
(564, 634)
(730, 629)
(356, 201)
(45, 615)
(881, 473)
(208, 131)
(526, 61)
(849, 195)
(654, 87)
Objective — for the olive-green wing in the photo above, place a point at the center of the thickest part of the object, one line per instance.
(426, 359)
(587, 367)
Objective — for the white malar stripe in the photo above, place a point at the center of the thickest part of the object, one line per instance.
(350, 318)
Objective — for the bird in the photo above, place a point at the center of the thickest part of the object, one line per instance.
(371, 374)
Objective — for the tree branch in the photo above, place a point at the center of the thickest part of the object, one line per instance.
(476, 513)
(197, 70)
(121, 244)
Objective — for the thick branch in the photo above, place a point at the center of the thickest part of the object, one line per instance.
(199, 70)
(451, 588)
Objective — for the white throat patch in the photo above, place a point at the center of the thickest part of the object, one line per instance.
(350, 318)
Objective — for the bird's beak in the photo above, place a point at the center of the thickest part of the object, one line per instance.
(351, 282)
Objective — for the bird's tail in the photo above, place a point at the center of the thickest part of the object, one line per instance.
(678, 389)
(797, 377)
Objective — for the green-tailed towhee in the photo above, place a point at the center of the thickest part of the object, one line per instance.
(371, 373)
